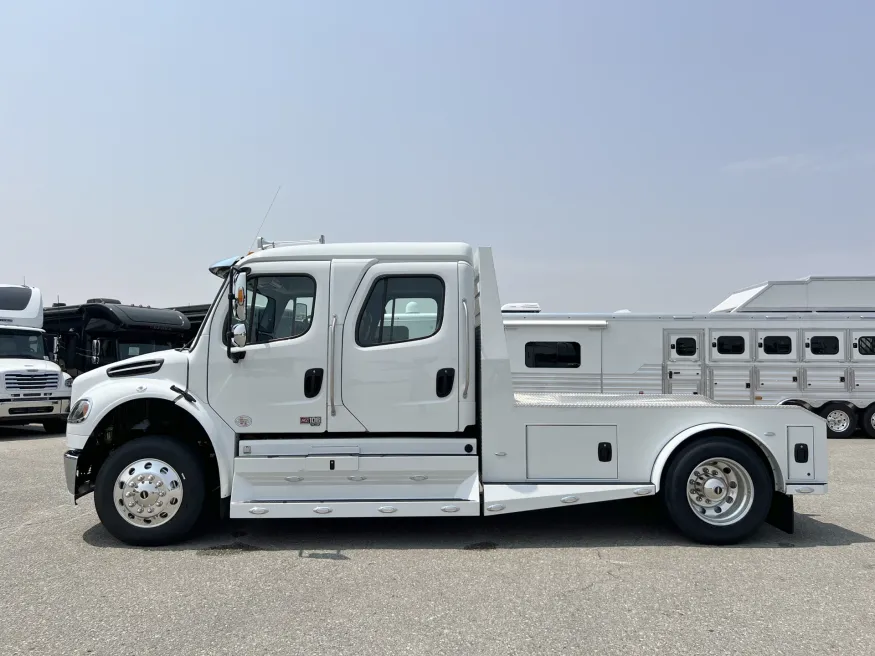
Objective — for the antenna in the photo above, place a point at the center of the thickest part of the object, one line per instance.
(265, 217)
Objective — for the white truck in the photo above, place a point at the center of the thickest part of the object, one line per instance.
(808, 342)
(34, 390)
(301, 396)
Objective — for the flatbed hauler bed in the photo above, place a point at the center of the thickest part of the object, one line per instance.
(302, 396)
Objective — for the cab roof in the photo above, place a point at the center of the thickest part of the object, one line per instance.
(406, 251)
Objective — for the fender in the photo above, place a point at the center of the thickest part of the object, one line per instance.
(109, 395)
(683, 436)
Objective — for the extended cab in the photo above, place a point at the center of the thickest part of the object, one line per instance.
(373, 380)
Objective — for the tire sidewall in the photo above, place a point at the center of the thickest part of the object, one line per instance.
(868, 417)
(187, 463)
(678, 475)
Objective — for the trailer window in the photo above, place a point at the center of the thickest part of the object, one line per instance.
(777, 345)
(866, 345)
(730, 345)
(401, 309)
(553, 355)
(824, 345)
(685, 346)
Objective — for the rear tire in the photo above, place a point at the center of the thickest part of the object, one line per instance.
(717, 491)
(841, 420)
(869, 421)
(55, 425)
(151, 491)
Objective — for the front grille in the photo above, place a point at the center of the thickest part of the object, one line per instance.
(31, 382)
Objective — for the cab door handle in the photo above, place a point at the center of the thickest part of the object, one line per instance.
(444, 382)
(313, 382)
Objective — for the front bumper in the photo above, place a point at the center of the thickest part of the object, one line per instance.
(33, 411)
(71, 459)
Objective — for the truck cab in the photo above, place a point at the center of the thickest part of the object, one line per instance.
(33, 389)
(373, 380)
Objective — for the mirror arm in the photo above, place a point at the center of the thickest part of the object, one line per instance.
(232, 274)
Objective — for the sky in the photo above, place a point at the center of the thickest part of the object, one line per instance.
(651, 156)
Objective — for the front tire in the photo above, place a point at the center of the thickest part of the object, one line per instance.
(151, 491)
(717, 491)
(841, 420)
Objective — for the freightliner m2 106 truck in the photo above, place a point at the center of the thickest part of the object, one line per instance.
(310, 390)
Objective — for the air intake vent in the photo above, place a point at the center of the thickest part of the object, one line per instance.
(143, 368)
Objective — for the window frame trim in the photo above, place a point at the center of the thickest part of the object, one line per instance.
(838, 342)
(777, 354)
(383, 276)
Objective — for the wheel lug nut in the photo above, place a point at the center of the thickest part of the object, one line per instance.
(129, 493)
(131, 504)
(150, 510)
(159, 483)
(159, 503)
(729, 499)
(150, 478)
(141, 478)
(162, 493)
(140, 509)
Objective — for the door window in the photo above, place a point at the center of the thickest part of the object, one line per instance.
(281, 307)
(685, 346)
(401, 309)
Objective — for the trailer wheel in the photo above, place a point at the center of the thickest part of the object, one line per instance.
(717, 491)
(841, 420)
(869, 421)
(151, 491)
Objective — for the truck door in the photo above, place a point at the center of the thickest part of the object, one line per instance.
(683, 373)
(278, 386)
(396, 374)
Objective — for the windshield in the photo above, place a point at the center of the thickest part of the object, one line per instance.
(21, 344)
(139, 347)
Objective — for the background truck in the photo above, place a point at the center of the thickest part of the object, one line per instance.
(103, 331)
(33, 389)
(301, 396)
(808, 342)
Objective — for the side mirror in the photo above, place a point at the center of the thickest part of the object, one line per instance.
(95, 351)
(238, 335)
(238, 300)
(56, 348)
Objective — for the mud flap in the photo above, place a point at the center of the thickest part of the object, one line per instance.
(781, 514)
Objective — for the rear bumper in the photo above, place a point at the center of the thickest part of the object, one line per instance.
(35, 411)
(71, 459)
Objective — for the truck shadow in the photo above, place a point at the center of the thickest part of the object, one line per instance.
(634, 523)
(31, 432)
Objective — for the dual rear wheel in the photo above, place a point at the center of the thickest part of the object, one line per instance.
(842, 420)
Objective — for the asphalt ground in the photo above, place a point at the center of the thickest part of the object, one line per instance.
(602, 579)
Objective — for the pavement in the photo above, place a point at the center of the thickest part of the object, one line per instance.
(601, 579)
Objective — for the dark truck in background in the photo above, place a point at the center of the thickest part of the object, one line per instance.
(102, 331)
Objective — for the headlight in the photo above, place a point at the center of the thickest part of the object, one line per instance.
(79, 412)
(69, 382)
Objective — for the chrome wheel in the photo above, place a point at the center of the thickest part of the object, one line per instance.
(838, 421)
(720, 491)
(148, 493)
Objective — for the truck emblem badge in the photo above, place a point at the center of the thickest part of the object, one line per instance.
(243, 421)
(311, 421)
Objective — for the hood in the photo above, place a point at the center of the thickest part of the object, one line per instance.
(170, 365)
(24, 365)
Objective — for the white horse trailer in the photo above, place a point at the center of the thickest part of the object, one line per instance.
(808, 342)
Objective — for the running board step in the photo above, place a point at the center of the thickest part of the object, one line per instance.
(305, 509)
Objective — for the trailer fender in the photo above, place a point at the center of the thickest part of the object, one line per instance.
(723, 429)
(107, 399)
